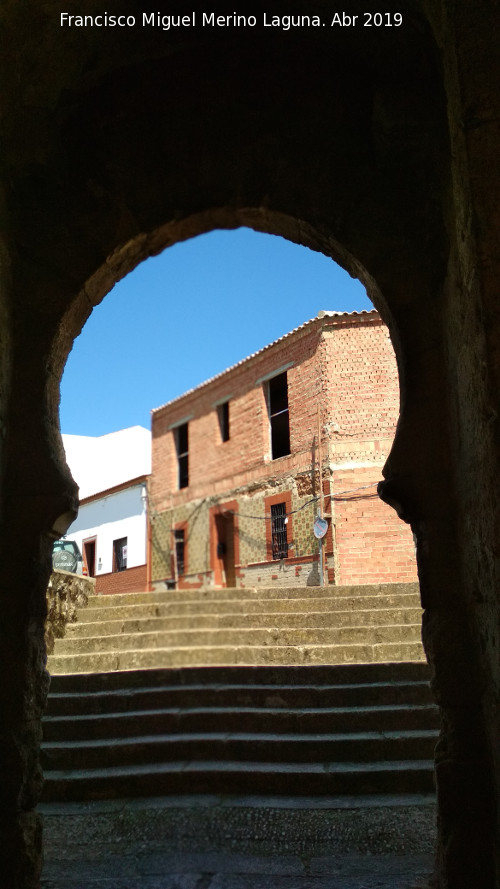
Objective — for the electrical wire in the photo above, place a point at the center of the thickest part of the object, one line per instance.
(267, 518)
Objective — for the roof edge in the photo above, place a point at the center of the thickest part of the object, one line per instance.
(115, 489)
(319, 318)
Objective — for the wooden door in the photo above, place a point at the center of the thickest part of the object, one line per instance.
(224, 568)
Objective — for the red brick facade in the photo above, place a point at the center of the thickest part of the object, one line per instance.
(132, 580)
(342, 381)
(370, 539)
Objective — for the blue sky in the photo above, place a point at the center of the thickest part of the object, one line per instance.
(183, 316)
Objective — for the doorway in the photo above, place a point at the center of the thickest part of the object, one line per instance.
(223, 549)
(89, 555)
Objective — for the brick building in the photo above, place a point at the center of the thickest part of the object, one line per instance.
(237, 462)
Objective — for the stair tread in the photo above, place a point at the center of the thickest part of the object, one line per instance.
(247, 645)
(205, 620)
(248, 630)
(263, 711)
(324, 604)
(187, 765)
(202, 686)
(360, 650)
(258, 592)
(98, 603)
(241, 736)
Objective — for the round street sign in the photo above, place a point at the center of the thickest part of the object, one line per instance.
(320, 527)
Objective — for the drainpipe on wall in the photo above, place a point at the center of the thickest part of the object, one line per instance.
(321, 504)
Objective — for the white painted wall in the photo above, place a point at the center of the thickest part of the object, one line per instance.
(98, 464)
(112, 516)
(103, 462)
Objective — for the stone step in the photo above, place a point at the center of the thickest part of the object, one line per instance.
(357, 729)
(240, 636)
(275, 604)
(317, 678)
(285, 655)
(207, 718)
(249, 777)
(233, 746)
(394, 616)
(257, 593)
(291, 686)
(116, 701)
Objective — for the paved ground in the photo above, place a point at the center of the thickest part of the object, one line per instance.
(232, 843)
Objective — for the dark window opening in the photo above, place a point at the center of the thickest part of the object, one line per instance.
(89, 556)
(278, 531)
(181, 445)
(278, 416)
(180, 551)
(223, 415)
(120, 554)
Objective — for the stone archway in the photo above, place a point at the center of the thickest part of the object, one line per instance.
(339, 142)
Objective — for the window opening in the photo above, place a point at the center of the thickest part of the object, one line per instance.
(89, 556)
(278, 416)
(181, 445)
(120, 554)
(180, 550)
(278, 531)
(223, 415)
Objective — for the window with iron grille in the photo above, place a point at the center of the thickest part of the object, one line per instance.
(120, 554)
(180, 550)
(278, 415)
(278, 531)
(181, 446)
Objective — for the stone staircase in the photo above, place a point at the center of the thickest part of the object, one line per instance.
(269, 731)
(189, 628)
(262, 692)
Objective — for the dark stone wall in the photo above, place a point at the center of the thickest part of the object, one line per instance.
(378, 148)
(468, 759)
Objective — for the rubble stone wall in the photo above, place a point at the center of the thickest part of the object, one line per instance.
(65, 594)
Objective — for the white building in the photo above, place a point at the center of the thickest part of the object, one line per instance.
(111, 529)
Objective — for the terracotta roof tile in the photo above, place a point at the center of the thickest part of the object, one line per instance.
(318, 317)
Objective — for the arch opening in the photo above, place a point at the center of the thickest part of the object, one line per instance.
(322, 352)
(223, 511)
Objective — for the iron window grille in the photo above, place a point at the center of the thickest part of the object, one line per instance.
(180, 551)
(279, 540)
